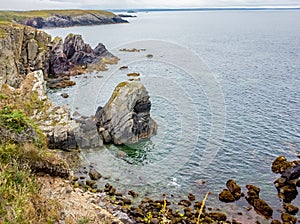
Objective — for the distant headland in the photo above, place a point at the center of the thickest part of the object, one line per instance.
(60, 18)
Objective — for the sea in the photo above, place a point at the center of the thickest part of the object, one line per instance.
(225, 93)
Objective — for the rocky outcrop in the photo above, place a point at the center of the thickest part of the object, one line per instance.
(125, 119)
(23, 50)
(259, 204)
(57, 20)
(71, 56)
(287, 183)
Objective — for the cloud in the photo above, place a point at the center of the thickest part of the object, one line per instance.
(119, 4)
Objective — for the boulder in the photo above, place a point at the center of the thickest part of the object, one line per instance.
(259, 205)
(234, 189)
(125, 119)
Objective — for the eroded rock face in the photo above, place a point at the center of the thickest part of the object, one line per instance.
(23, 50)
(125, 119)
(71, 57)
(57, 20)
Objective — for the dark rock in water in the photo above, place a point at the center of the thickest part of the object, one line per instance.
(226, 196)
(133, 193)
(288, 192)
(184, 203)
(123, 67)
(292, 173)
(125, 119)
(291, 209)
(275, 222)
(217, 216)
(280, 165)
(191, 197)
(234, 189)
(71, 56)
(94, 174)
(235, 222)
(287, 218)
(259, 205)
(65, 95)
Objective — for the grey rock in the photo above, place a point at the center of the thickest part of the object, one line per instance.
(125, 119)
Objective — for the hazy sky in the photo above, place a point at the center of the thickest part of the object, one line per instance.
(119, 4)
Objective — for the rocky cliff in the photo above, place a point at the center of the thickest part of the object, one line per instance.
(24, 49)
(125, 119)
(61, 18)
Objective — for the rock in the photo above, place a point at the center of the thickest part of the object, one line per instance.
(217, 216)
(94, 174)
(234, 189)
(133, 193)
(292, 173)
(226, 196)
(23, 50)
(64, 95)
(288, 193)
(275, 222)
(134, 74)
(125, 119)
(184, 203)
(280, 165)
(191, 197)
(291, 209)
(87, 136)
(287, 218)
(123, 67)
(149, 55)
(259, 205)
(123, 217)
(64, 20)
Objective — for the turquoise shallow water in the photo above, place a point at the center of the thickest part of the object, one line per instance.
(252, 58)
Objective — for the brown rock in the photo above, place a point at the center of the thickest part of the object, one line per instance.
(288, 218)
(234, 189)
(226, 196)
(94, 174)
(291, 209)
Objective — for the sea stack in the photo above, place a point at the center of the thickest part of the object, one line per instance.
(125, 119)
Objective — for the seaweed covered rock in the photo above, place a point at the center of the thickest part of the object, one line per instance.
(259, 205)
(226, 196)
(125, 118)
(233, 193)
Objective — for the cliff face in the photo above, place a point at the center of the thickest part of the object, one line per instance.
(22, 50)
(57, 20)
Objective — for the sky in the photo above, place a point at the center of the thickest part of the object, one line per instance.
(133, 4)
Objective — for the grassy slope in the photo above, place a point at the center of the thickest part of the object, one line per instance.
(21, 15)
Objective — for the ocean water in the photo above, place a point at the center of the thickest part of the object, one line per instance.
(225, 92)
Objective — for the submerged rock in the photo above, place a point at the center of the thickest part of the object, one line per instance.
(226, 196)
(234, 189)
(125, 119)
(259, 205)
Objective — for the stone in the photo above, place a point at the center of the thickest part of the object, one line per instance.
(87, 136)
(288, 192)
(291, 209)
(64, 95)
(226, 196)
(288, 218)
(280, 165)
(275, 222)
(125, 119)
(259, 205)
(292, 173)
(94, 174)
(184, 203)
(217, 216)
(234, 189)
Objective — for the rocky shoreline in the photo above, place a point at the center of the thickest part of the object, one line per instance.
(61, 18)
(31, 58)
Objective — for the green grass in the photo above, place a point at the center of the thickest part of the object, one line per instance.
(21, 15)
